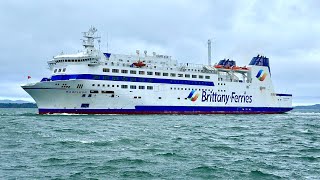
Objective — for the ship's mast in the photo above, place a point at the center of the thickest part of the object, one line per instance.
(209, 52)
(89, 37)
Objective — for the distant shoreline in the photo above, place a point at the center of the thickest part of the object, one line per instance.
(20, 105)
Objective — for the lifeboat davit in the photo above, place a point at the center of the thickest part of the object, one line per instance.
(139, 64)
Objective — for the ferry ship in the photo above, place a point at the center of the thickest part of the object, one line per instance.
(97, 82)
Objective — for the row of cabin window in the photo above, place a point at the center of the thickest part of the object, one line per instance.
(126, 86)
(135, 87)
(155, 73)
(59, 70)
(189, 89)
(75, 60)
(195, 89)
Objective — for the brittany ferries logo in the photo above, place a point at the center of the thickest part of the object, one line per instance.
(193, 96)
(211, 96)
(261, 76)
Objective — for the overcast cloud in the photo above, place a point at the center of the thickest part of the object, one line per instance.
(288, 32)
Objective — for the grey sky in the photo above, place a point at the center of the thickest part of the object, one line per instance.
(288, 32)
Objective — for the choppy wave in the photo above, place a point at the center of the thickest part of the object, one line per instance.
(68, 146)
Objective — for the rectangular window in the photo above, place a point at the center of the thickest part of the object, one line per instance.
(207, 77)
(187, 75)
(133, 87)
(64, 70)
(84, 105)
(173, 74)
(94, 91)
(200, 76)
(115, 70)
(165, 74)
(133, 72)
(180, 75)
(157, 73)
(194, 76)
(141, 87)
(149, 87)
(59, 70)
(141, 72)
(124, 71)
(124, 86)
(149, 73)
(107, 92)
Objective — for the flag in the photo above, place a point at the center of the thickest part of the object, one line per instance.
(29, 77)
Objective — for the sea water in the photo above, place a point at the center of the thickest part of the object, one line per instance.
(159, 146)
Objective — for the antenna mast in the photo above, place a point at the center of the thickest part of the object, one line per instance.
(89, 37)
(107, 42)
(209, 52)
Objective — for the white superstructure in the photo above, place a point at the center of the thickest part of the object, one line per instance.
(93, 82)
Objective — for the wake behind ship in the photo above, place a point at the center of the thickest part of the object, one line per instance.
(94, 82)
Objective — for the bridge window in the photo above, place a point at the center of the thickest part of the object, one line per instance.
(55, 70)
(165, 74)
(173, 74)
(141, 87)
(180, 75)
(157, 73)
(194, 76)
(59, 70)
(149, 87)
(187, 75)
(207, 77)
(200, 76)
(106, 70)
(149, 73)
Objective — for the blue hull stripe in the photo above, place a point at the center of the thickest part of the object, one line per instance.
(128, 79)
(173, 110)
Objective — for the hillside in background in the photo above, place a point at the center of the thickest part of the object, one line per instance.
(316, 106)
(18, 105)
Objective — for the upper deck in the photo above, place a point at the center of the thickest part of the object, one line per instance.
(90, 58)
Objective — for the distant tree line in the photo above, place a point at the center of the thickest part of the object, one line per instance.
(15, 105)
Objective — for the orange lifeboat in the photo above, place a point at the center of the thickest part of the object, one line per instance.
(235, 68)
(139, 64)
(244, 68)
(218, 66)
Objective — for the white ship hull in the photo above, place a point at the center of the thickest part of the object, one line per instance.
(109, 97)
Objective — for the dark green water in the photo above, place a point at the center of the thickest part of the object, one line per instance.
(159, 146)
